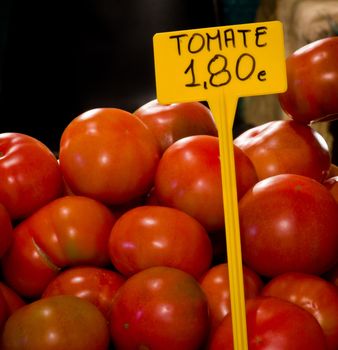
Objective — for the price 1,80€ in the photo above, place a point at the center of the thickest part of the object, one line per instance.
(219, 73)
(241, 60)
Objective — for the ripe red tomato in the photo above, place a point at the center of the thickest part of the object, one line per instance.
(149, 236)
(12, 299)
(68, 231)
(286, 146)
(6, 230)
(30, 174)
(172, 122)
(312, 75)
(95, 284)
(215, 284)
(312, 293)
(246, 175)
(159, 308)
(273, 323)
(58, 323)
(109, 155)
(188, 178)
(289, 223)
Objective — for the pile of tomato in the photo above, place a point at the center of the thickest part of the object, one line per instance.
(118, 240)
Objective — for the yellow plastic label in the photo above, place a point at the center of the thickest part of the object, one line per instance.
(219, 65)
(246, 59)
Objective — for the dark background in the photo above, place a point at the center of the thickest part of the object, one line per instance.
(61, 58)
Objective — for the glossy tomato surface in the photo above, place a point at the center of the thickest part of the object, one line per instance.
(286, 146)
(68, 231)
(30, 174)
(149, 236)
(289, 223)
(58, 323)
(6, 230)
(174, 121)
(215, 284)
(109, 155)
(95, 284)
(312, 75)
(312, 293)
(188, 178)
(12, 299)
(273, 323)
(159, 308)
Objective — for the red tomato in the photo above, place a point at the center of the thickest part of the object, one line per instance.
(68, 231)
(95, 284)
(30, 174)
(246, 175)
(172, 122)
(215, 284)
(332, 185)
(12, 299)
(286, 146)
(313, 294)
(273, 323)
(289, 223)
(6, 230)
(312, 75)
(149, 236)
(188, 178)
(159, 308)
(109, 155)
(58, 323)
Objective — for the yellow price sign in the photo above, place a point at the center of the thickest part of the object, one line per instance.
(219, 65)
(246, 60)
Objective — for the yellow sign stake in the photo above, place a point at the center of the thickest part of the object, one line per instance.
(219, 65)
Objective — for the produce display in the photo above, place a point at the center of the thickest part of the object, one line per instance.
(116, 241)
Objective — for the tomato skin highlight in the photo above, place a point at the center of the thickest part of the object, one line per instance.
(175, 121)
(312, 75)
(286, 147)
(109, 155)
(49, 324)
(159, 308)
(312, 293)
(31, 175)
(215, 284)
(188, 178)
(273, 323)
(95, 284)
(69, 231)
(24, 268)
(289, 223)
(148, 236)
